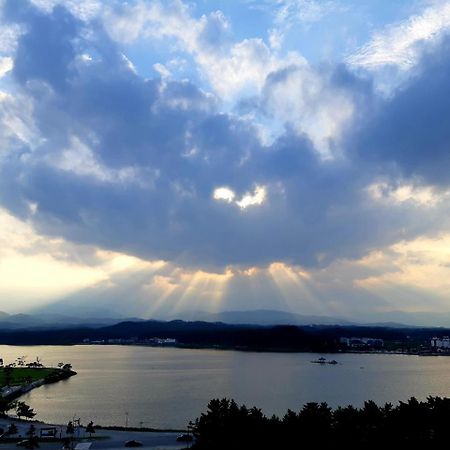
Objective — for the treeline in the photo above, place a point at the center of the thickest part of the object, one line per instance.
(411, 424)
(206, 334)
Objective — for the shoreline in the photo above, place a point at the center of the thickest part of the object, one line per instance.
(240, 349)
(117, 428)
(13, 392)
(269, 349)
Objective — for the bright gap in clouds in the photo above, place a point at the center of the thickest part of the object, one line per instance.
(254, 198)
(224, 193)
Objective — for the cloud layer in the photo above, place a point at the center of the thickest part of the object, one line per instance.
(260, 157)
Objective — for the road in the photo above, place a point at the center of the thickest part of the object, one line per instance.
(102, 439)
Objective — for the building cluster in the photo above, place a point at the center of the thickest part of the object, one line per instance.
(117, 341)
(155, 341)
(361, 342)
(159, 341)
(440, 344)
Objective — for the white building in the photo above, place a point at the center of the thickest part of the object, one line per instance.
(442, 343)
(361, 342)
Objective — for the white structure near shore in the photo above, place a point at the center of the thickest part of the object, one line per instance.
(440, 344)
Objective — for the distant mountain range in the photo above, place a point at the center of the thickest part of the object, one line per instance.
(392, 319)
(266, 317)
(54, 321)
(263, 317)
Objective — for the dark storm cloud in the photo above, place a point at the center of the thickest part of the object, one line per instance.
(49, 57)
(411, 130)
(180, 148)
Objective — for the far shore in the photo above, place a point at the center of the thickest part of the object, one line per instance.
(245, 349)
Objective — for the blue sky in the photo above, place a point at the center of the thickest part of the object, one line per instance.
(158, 157)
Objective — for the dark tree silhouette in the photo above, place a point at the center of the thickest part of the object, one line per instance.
(226, 425)
(31, 431)
(90, 428)
(70, 428)
(6, 405)
(24, 410)
(8, 371)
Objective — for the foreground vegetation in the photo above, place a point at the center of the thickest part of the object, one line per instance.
(11, 376)
(227, 425)
(15, 381)
(16, 376)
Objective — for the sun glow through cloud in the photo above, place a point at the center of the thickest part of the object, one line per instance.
(224, 193)
(254, 198)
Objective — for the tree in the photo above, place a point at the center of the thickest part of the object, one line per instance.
(24, 410)
(8, 370)
(90, 428)
(70, 428)
(6, 405)
(31, 431)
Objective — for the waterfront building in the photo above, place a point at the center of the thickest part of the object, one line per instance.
(363, 342)
(440, 343)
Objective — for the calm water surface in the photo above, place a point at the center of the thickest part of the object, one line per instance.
(167, 387)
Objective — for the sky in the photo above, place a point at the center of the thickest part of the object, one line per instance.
(158, 157)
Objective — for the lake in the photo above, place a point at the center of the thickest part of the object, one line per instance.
(167, 387)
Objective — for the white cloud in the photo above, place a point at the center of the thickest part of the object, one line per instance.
(224, 193)
(254, 198)
(16, 116)
(288, 14)
(6, 64)
(163, 71)
(306, 100)
(398, 44)
(79, 159)
(244, 68)
(8, 37)
(155, 20)
(83, 9)
(425, 196)
(303, 11)
(231, 68)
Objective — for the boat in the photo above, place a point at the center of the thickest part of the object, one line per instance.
(323, 360)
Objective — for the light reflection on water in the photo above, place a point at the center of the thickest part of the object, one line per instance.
(167, 387)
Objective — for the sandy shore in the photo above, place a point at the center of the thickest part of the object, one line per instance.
(102, 439)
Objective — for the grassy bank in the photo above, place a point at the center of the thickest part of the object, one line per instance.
(17, 376)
